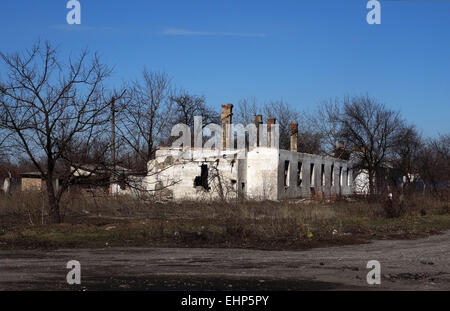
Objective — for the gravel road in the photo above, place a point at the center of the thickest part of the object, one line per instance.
(405, 265)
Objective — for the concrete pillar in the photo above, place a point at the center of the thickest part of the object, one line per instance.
(270, 121)
(258, 121)
(226, 116)
(294, 136)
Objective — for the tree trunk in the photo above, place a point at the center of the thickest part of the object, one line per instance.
(54, 213)
(371, 182)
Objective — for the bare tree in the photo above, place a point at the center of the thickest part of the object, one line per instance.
(187, 106)
(3, 138)
(145, 116)
(406, 150)
(433, 165)
(372, 129)
(309, 141)
(4, 134)
(52, 109)
(325, 126)
(285, 115)
(246, 109)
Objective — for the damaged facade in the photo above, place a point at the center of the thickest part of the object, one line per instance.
(265, 172)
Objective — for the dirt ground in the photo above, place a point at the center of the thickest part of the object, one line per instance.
(405, 265)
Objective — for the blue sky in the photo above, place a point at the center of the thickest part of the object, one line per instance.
(302, 51)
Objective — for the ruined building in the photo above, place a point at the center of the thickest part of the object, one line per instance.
(264, 172)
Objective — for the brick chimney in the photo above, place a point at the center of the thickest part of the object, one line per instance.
(341, 144)
(258, 121)
(270, 121)
(226, 116)
(294, 136)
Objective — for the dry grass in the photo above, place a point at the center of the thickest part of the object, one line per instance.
(300, 224)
